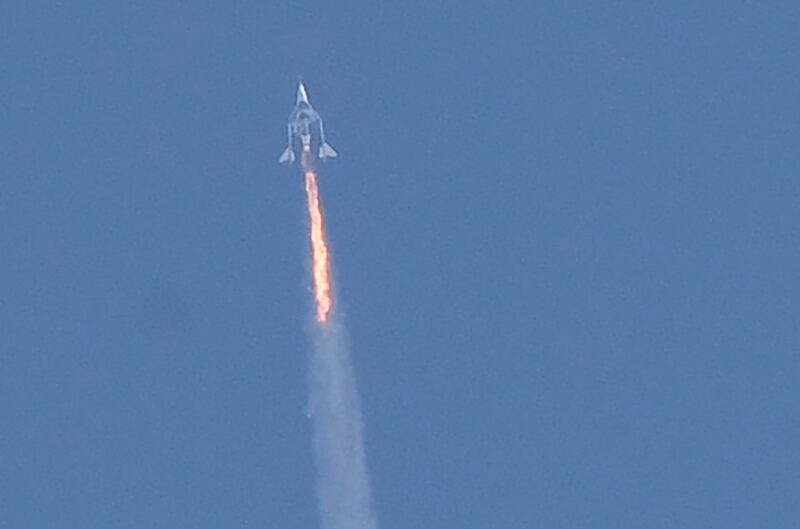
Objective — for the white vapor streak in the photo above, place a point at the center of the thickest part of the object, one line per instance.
(342, 482)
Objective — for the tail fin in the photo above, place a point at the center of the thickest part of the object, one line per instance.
(326, 151)
(288, 156)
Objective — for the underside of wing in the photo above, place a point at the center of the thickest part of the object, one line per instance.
(326, 151)
(287, 157)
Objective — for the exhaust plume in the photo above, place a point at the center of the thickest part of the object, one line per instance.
(320, 266)
(343, 487)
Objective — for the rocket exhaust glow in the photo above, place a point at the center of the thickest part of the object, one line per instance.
(319, 250)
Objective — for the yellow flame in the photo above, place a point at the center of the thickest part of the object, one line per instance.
(319, 250)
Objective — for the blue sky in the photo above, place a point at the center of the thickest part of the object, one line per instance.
(565, 239)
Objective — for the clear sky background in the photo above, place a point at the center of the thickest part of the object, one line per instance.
(565, 238)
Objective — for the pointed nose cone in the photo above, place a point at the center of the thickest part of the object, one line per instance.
(302, 97)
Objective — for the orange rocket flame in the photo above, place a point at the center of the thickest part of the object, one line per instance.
(319, 250)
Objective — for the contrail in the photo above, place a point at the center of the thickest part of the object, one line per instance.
(343, 485)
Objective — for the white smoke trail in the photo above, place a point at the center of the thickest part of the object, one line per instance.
(343, 481)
